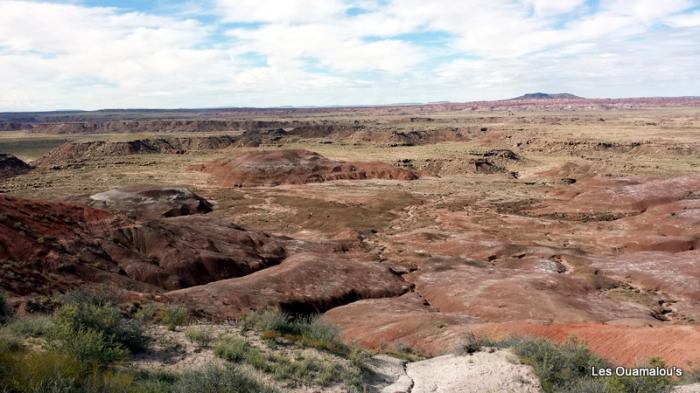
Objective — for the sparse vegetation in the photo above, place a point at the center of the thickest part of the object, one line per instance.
(403, 351)
(174, 316)
(145, 312)
(82, 341)
(233, 349)
(101, 296)
(472, 343)
(34, 326)
(86, 345)
(200, 336)
(51, 372)
(566, 368)
(105, 319)
(306, 331)
(219, 380)
(302, 370)
(23, 371)
(88, 337)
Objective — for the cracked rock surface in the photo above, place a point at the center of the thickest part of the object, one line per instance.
(482, 372)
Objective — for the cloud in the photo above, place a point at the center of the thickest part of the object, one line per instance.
(53, 52)
(288, 12)
(326, 52)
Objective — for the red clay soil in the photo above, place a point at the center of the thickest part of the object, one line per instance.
(47, 247)
(406, 321)
(626, 345)
(612, 261)
(191, 250)
(303, 283)
(275, 167)
(50, 246)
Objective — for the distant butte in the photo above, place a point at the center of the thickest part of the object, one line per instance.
(547, 96)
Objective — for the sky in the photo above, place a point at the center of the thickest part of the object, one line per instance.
(92, 54)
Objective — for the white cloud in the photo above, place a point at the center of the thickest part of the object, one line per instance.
(555, 7)
(293, 11)
(687, 20)
(326, 52)
(336, 47)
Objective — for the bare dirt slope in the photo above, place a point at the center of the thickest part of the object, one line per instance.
(274, 167)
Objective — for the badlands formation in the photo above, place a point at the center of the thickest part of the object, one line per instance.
(404, 227)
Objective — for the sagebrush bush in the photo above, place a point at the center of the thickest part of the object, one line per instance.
(9, 344)
(566, 368)
(106, 319)
(88, 346)
(219, 380)
(271, 319)
(34, 326)
(558, 366)
(51, 372)
(146, 312)
(233, 349)
(101, 296)
(307, 331)
(299, 371)
(200, 336)
(174, 316)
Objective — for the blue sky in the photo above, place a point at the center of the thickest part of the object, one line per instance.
(90, 54)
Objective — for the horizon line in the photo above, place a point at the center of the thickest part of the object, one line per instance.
(397, 104)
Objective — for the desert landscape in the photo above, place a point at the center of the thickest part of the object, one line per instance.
(437, 247)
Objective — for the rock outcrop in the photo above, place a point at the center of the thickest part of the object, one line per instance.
(149, 201)
(76, 151)
(11, 166)
(50, 246)
(275, 167)
(305, 283)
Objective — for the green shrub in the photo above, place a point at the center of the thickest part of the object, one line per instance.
(271, 319)
(558, 366)
(174, 316)
(35, 326)
(6, 312)
(146, 312)
(9, 344)
(92, 332)
(305, 331)
(219, 380)
(101, 296)
(233, 349)
(105, 319)
(299, 371)
(155, 382)
(40, 372)
(566, 368)
(200, 336)
(87, 346)
(52, 372)
(359, 358)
